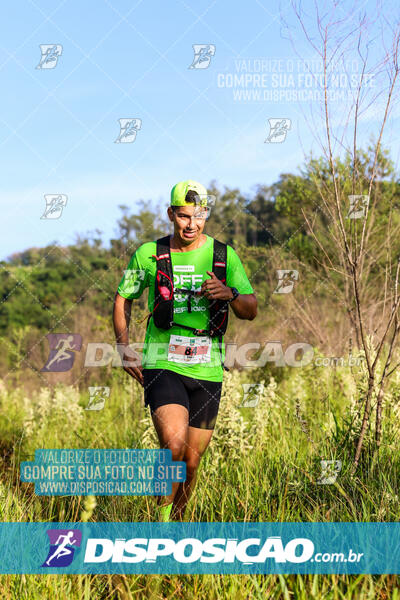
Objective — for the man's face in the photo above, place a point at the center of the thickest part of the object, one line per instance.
(188, 222)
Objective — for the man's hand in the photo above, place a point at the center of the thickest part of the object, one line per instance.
(132, 364)
(214, 288)
(244, 306)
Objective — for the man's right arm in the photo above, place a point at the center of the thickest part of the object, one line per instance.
(121, 319)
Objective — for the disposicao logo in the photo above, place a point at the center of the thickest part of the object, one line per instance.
(63, 543)
(190, 550)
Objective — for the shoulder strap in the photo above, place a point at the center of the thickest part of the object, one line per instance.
(219, 259)
(219, 308)
(163, 309)
(163, 259)
(163, 247)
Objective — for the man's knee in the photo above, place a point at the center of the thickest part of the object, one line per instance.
(177, 448)
(192, 464)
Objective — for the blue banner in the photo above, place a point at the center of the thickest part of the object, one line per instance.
(172, 548)
(100, 472)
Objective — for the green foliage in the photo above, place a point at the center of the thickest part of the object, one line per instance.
(263, 464)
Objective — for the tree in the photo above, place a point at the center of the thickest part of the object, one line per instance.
(363, 226)
(149, 223)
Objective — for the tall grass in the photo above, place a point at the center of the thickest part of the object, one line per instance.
(263, 464)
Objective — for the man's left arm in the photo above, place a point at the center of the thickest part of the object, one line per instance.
(244, 306)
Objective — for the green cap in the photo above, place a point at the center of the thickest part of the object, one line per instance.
(179, 191)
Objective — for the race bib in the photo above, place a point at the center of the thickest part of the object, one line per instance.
(189, 350)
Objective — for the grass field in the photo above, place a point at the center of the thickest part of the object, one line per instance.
(263, 464)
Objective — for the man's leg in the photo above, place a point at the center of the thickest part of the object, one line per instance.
(204, 397)
(171, 424)
(196, 444)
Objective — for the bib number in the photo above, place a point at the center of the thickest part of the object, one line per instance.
(189, 350)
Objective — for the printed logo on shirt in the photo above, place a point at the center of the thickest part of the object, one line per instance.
(184, 268)
(194, 281)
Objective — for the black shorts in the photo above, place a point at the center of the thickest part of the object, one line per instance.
(200, 397)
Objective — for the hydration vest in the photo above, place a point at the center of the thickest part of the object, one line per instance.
(163, 311)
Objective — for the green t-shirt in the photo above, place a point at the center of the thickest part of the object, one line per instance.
(189, 270)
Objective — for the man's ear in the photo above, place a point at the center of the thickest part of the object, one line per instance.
(170, 213)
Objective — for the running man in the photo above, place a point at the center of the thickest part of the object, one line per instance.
(181, 368)
(62, 550)
(63, 347)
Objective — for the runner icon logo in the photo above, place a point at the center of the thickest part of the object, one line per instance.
(63, 543)
(62, 351)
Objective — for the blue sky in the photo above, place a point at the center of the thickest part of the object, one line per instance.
(131, 59)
